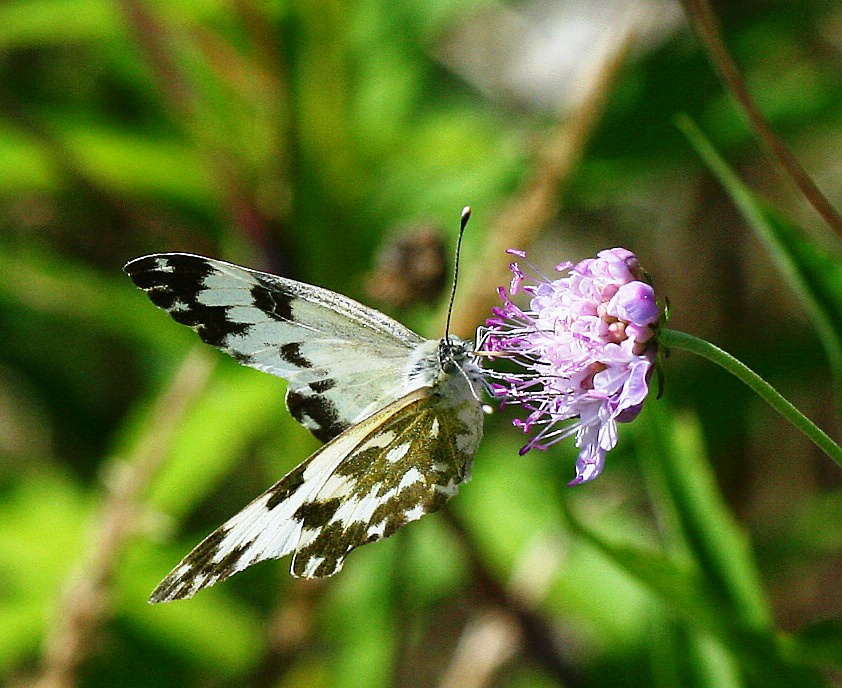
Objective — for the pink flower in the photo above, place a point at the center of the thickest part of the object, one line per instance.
(587, 344)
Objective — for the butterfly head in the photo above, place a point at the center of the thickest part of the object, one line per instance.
(444, 364)
(453, 351)
(459, 367)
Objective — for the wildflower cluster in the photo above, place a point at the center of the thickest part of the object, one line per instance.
(587, 344)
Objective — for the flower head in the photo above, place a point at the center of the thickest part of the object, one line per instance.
(587, 344)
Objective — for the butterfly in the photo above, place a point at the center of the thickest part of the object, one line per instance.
(401, 415)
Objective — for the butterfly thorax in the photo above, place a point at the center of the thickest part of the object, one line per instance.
(448, 366)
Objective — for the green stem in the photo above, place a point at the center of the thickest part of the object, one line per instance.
(681, 340)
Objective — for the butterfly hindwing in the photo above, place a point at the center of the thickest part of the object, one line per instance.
(342, 359)
(404, 461)
(409, 467)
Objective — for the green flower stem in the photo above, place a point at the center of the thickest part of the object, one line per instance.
(681, 340)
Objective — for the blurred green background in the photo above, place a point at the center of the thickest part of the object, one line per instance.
(319, 140)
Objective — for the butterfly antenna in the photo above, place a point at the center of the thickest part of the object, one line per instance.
(466, 215)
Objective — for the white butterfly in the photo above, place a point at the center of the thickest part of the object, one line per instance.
(401, 415)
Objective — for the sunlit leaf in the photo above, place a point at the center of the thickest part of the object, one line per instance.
(28, 23)
(711, 536)
(44, 520)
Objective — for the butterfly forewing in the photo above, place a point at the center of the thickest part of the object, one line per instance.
(404, 461)
(343, 360)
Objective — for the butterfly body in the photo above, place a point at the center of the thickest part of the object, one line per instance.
(401, 415)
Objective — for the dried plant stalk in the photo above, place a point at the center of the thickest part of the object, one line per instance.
(704, 21)
(86, 602)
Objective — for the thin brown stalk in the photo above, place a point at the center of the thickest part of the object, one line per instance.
(85, 605)
(288, 632)
(160, 45)
(539, 199)
(523, 622)
(493, 636)
(704, 21)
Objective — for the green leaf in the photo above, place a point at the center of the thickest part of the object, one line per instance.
(60, 287)
(818, 267)
(820, 643)
(360, 610)
(675, 584)
(813, 271)
(212, 629)
(709, 534)
(687, 594)
(139, 165)
(684, 656)
(25, 164)
(238, 406)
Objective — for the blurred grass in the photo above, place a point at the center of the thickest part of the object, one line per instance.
(811, 267)
(299, 138)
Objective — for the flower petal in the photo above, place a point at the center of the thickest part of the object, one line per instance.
(635, 303)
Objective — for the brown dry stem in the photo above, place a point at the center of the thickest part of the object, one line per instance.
(85, 606)
(704, 21)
